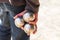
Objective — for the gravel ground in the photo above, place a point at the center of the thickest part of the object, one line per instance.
(48, 21)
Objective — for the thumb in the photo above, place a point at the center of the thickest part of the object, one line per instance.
(15, 17)
(35, 29)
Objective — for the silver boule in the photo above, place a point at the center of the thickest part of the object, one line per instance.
(19, 22)
(28, 17)
(28, 28)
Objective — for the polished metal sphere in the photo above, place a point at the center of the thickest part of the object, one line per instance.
(28, 28)
(19, 22)
(28, 17)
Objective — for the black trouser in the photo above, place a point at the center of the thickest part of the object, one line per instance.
(7, 27)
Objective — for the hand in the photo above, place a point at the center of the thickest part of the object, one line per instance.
(19, 15)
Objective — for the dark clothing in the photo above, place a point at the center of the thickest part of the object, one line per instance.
(31, 5)
(8, 28)
(9, 10)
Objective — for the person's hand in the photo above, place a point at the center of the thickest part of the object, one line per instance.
(19, 15)
(33, 22)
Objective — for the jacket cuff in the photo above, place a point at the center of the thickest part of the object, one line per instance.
(32, 5)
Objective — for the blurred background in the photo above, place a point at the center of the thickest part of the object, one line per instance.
(48, 21)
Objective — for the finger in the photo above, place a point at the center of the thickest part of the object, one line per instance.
(15, 17)
(36, 17)
(35, 30)
(32, 23)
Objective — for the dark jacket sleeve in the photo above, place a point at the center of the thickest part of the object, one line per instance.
(32, 5)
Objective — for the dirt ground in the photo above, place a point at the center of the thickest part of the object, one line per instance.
(48, 21)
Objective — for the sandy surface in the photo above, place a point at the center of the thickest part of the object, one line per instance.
(49, 21)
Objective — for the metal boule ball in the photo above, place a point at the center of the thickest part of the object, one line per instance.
(28, 16)
(19, 22)
(28, 28)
